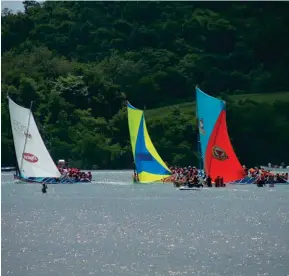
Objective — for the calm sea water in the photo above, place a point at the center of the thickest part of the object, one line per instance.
(112, 227)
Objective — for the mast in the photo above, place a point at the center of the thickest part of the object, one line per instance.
(198, 137)
(26, 136)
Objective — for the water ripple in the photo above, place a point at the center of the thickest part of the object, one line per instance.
(115, 228)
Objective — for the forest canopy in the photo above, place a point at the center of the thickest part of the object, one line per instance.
(80, 61)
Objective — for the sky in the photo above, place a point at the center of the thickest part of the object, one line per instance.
(12, 5)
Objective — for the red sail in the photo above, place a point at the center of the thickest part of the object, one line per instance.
(220, 158)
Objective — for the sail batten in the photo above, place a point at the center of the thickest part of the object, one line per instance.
(32, 155)
(149, 165)
(218, 155)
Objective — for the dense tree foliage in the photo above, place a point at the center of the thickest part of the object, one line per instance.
(80, 61)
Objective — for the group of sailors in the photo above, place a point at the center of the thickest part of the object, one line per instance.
(181, 174)
(191, 177)
(75, 173)
(198, 181)
(266, 176)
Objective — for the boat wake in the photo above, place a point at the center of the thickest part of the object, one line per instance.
(111, 183)
(6, 182)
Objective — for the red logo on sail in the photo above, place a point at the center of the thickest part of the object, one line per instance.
(219, 153)
(201, 126)
(30, 157)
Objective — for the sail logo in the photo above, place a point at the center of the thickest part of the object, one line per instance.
(30, 157)
(21, 128)
(219, 154)
(201, 126)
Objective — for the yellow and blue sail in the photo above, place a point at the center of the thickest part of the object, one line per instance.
(149, 165)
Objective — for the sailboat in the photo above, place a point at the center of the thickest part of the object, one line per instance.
(218, 155)
(35, 164)
(149, 166)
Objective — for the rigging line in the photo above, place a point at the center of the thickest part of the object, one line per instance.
(26, 136)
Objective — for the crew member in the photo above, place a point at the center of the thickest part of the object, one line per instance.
(44, 188)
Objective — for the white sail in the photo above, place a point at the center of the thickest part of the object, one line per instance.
(36, 161)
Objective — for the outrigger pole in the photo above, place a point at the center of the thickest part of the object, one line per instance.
(26, 136)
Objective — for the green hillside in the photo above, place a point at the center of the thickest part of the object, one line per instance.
(79, 61)
(188, 107)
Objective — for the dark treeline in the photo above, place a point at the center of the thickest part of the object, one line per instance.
(80, 61)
